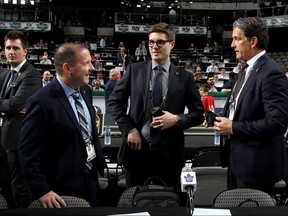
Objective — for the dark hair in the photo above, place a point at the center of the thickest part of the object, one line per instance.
(163, 28)
(254, 27)
(67, 53)
(14, 35)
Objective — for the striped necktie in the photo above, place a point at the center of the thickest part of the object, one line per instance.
(9, 84)
(81, 115)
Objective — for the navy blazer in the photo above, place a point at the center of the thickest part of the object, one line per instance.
(257, 151)
(182, 92)
(52, 151)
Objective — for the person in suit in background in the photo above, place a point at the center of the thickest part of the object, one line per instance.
(114, 77)
(17, 83)
(255, 120)
(56, 158)
(155, 146)
(123, 58)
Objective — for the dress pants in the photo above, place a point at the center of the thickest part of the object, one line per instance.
(13, 186)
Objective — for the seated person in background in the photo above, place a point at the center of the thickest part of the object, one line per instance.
(222, 73)
(198, 69)
(228, 86)
(208, 48)
(96, 85)
(46, 78)
(213, 67)
(210, 85)
(207, 101)
(197, 79)
(101, 78)
(192, 47)
(98, 65)
(188, 65)
(45, 60)
(237, 68)
(141, 53)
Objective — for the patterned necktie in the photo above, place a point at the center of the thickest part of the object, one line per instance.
(9, 84)
(157, 90)
(240, 81)
(81, 115)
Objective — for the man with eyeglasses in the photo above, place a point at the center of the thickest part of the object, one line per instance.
(153, 138)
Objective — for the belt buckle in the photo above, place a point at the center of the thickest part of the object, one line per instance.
(153, 146)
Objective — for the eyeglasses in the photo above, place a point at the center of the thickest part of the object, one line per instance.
(159, 43)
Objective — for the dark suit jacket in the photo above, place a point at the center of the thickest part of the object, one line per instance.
(26, 82)
(52, 151)
(257, 152)
(181, 92)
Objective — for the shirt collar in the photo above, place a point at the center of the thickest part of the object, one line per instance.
(19, 66)
(166, 66)
(254, 59)
(67, 89)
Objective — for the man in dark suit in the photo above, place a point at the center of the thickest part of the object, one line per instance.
(17, 85)
(60, 156)
(255, 119)
(155, 146)
(114, 77)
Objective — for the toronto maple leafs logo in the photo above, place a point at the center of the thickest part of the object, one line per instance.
(189, 178)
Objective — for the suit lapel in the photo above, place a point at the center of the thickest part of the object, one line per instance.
(251, 78)
(145, 85)
(4, 83)
(63, 100)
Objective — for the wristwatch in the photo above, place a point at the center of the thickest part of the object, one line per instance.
(178, 121)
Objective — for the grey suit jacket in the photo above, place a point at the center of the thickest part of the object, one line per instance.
(26, 82)
(181, 93)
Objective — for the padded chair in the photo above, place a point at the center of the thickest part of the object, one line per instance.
(210, 181)
(3, 202)
(71, 202)
(243, 197)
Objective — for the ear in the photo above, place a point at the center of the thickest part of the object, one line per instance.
(66, 68)
(172, 44)
(254, 42)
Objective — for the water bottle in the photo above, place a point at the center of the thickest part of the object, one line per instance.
(216, 138)
(107, 135)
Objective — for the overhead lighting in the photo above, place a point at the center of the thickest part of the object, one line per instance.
(14, 1)
(32, 2)
(176, 1)
(148, 6)
(138, 5)
(23, 2)
(6, 1)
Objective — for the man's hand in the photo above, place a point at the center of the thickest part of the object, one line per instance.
(223, 125)
(134, 139)
(52, 200)
(165, 121)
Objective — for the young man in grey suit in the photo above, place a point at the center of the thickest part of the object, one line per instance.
(17, 85)
(256, 118)
(154, 145)
(59, 148)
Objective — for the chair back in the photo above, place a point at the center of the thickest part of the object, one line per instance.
(207, 157)
(71, 202)
(210, 181)
(3, 202)
(243, 197)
